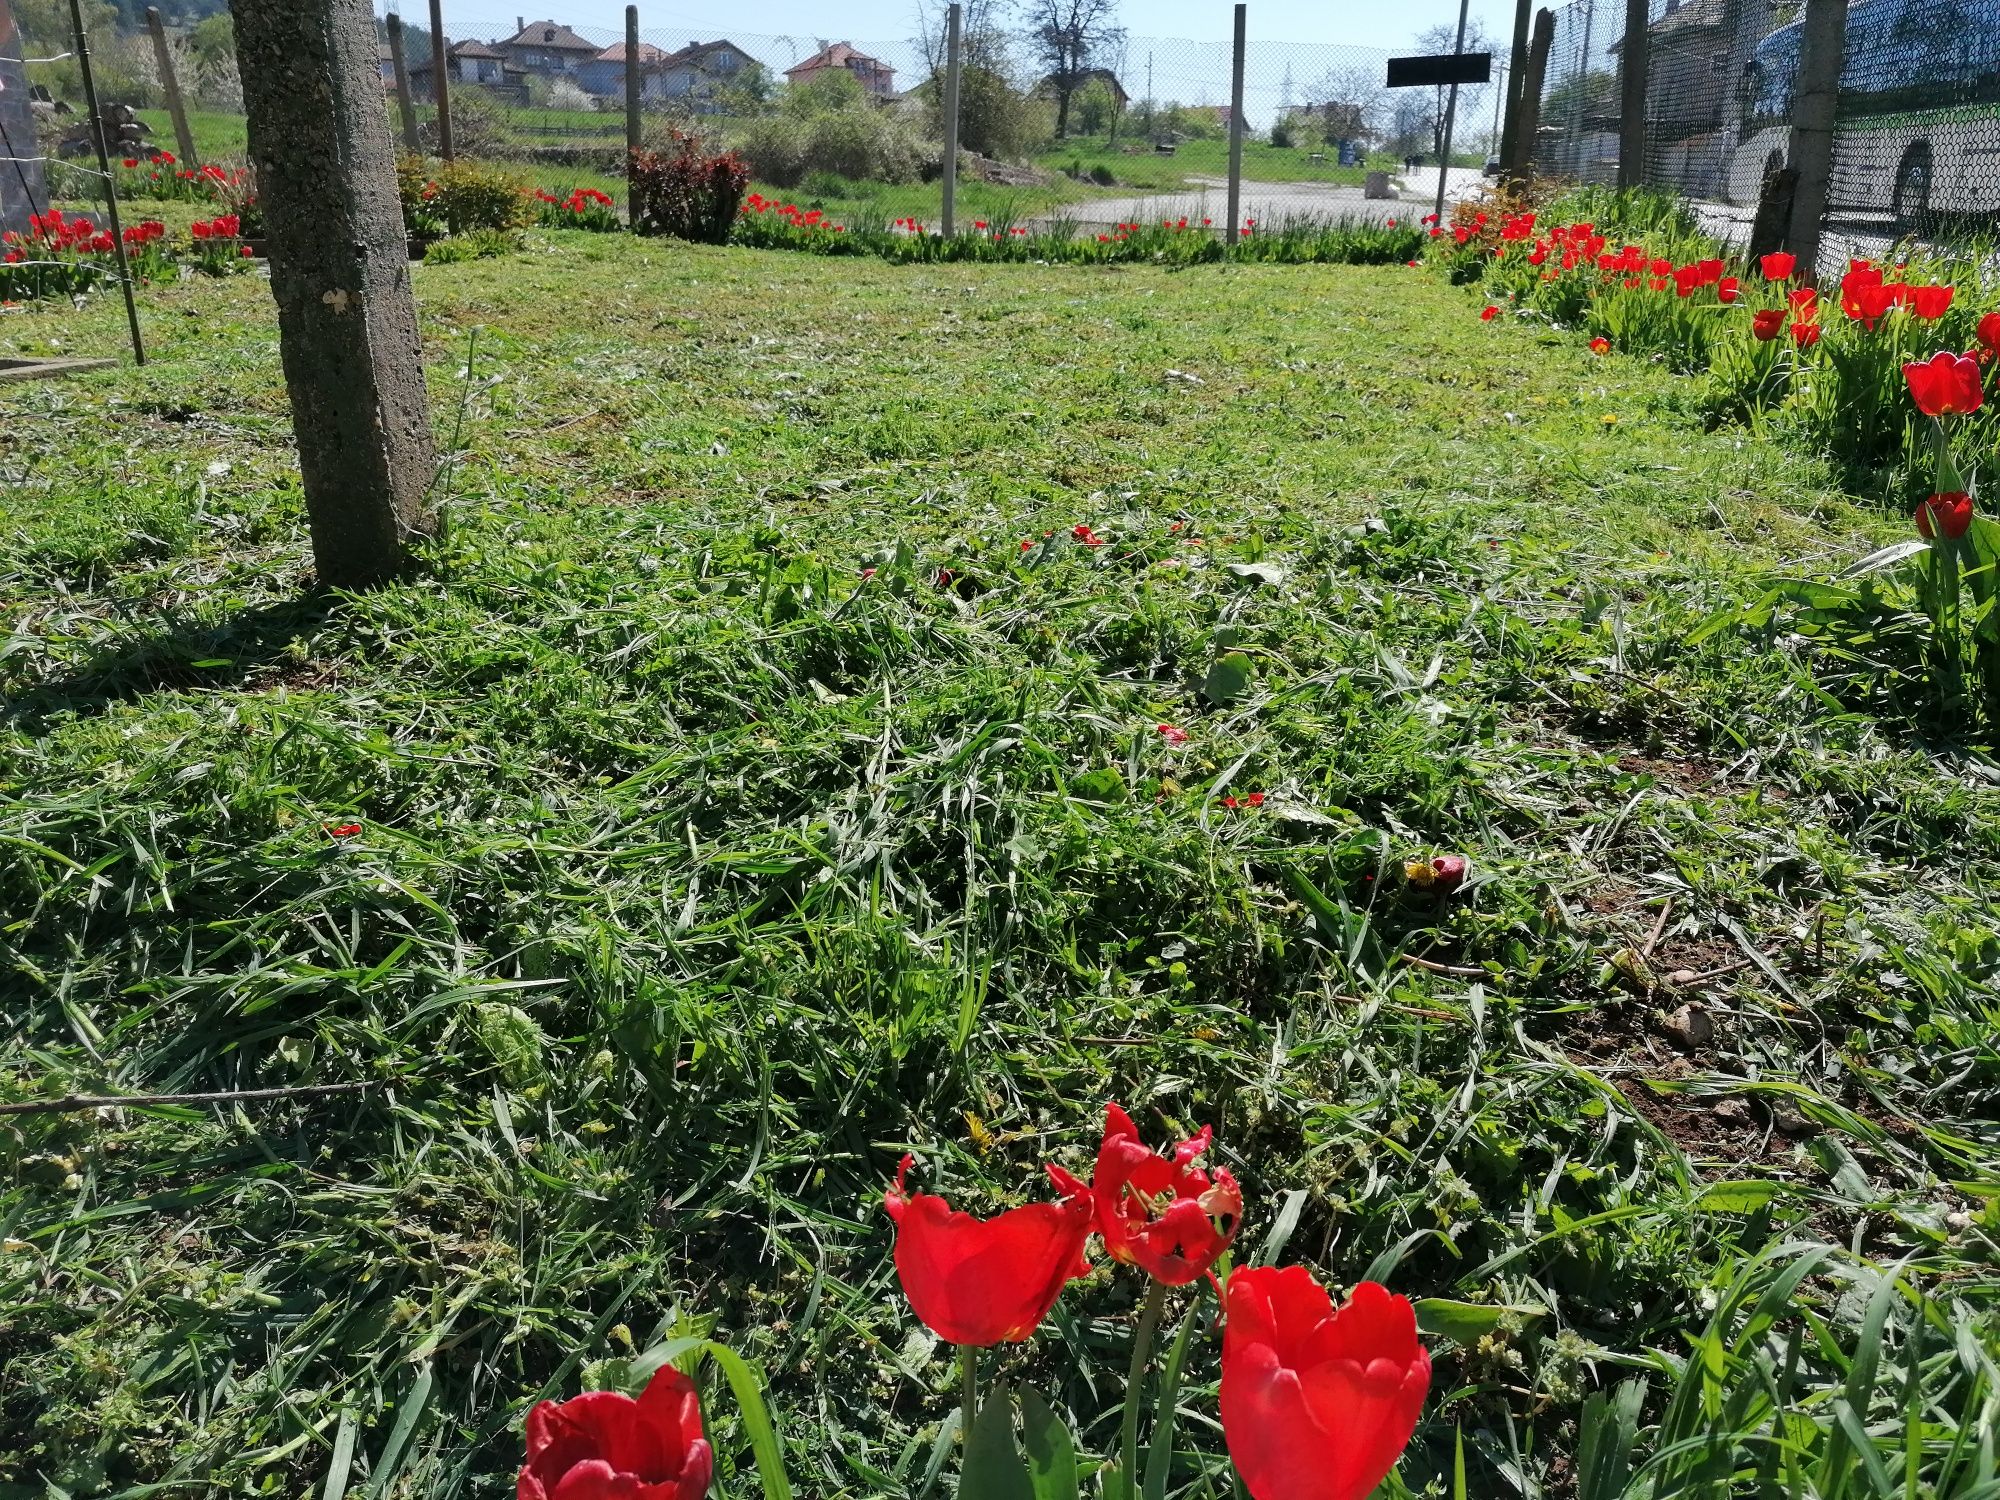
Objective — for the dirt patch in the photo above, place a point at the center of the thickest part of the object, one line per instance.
(1690, 778)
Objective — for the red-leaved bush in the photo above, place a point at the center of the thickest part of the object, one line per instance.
(687, 191)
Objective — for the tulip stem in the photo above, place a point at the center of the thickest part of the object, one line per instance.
(968, 1371)
(1142, 1349)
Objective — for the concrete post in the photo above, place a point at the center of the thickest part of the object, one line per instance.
(1236, 130)
(1528, 141)
(1517, 72)
(1821, 53)
(1632, 59)
(952, 22)
(163, 59)
(441, 81)
(340, 273)
(634, 85)
(406, 106)
(22, 190)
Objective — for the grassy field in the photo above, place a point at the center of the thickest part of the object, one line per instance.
(699, 875)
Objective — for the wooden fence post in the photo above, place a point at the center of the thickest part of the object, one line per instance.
(406, 105)
(634, 87)
(163, 58)
(340, 273)
(1528, 132)
(441, 81)
(1632, 50)
(1517, 73)
(1236, 129)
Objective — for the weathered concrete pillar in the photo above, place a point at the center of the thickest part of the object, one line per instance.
(347, 323)
(1821, 54)
(22, 192)
(1633, 56)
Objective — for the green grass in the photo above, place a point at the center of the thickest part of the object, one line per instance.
(700, 877)
(1135, 164)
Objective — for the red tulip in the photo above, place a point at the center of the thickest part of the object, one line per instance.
(1162, 1214)
(1931, 301)
(1768, 324)
(1866, 302)
(1778, 265)
(1802, 298)
(988, 1281)
(1173, 734)
(1726, 289)
(1945, 515)
(605, 1446)
(1946, 385)
(1489, 313)
(1805, 335)
(1600, 345)
(1317, 1404)
(1989, 331)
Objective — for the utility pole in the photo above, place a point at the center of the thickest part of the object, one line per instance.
(1450, 111)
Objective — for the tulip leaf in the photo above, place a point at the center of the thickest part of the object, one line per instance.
(1228, 679)
(1466, 1322)
(1160, 1450)
(756, 1417)
(993, 1468)
(1051, 1453)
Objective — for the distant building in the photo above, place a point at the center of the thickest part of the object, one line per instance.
(475, 64)
(875, 76)
(697, 72)
(547, 48)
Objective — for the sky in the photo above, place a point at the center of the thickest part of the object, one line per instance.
(1355, 23)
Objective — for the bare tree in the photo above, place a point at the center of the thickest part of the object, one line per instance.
(1068, 39)
(1352, 103)
(982, 35)
(1439, 39)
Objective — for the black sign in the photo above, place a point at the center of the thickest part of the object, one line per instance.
(1451, 67)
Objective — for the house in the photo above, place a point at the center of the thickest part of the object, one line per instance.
(469, 63)
(1082, 80)
(548, 48)
(696, 72)
(875, 76)
(605, 73)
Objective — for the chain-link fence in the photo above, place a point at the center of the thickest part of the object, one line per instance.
(1917, 123)
(1085, 119)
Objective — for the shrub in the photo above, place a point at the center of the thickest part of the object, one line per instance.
(474, 244)
(458, 197)
(829, 125)
(687, 192)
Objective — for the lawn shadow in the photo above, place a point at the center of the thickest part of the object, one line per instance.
(175, 651)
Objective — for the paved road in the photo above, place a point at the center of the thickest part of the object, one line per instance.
(1273, 202)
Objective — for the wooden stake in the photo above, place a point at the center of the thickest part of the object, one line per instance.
(163, 57)
(110, 187)
(406, 105)
(441, 81)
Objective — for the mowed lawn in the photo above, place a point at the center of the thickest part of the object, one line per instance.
(697, 872)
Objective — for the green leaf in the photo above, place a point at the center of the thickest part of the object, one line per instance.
(1466, 1322)
(1051, 1453)
(1228, 678)
(382, 1475)
(1884, 557)
(1105, 784)
(1739, 1196)
(1160, 1448)
(993, 1468)
(749, 1393)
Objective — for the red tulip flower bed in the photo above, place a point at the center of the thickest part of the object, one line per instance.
(583, 208)
(67, 255)
(1317, 1402)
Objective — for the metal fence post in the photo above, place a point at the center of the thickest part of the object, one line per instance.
(104, 167)
(163, 58)
(634, 86)
(1632, 49)
(953, 20)
(406, 107)
(1236, 132)
(1450, 116)
(1824, 47)
(441, 81)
